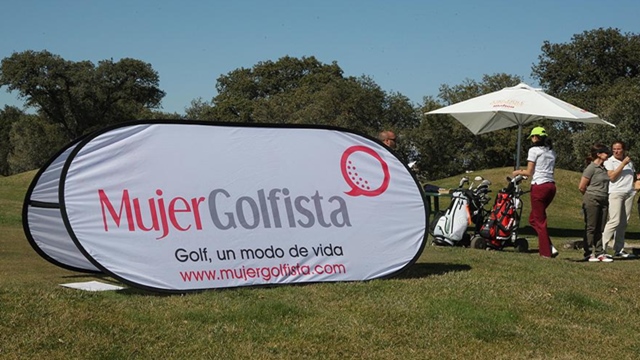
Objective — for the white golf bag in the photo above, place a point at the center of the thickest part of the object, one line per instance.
(452, 225)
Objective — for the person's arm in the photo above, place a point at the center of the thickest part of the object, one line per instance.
(584, 182)
(528, 171)
(615, 173)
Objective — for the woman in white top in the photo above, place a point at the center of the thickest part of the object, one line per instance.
(541, 162)
(622, 175)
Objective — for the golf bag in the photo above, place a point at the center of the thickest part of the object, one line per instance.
(451, 226)
(502, 220)
(500, 229)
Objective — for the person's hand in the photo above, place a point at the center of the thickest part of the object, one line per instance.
(626, 160)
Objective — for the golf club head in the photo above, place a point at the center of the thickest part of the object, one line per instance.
(518, 179)
(485, 182)
(463, 181)
(478, 178)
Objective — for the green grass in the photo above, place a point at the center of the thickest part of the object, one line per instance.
(454, 303)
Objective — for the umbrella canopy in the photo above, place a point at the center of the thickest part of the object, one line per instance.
(514, 106)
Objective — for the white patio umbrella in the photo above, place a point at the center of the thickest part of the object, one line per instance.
(514, 106)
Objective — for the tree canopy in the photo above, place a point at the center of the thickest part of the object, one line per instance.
(599, 70)
(8, 116)
(306, 91)
(79, 96)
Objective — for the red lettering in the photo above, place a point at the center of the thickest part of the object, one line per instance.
(166, 216)
(104, 202)
(173, 210)
(195, 205)
(154, 215)
(163, 215)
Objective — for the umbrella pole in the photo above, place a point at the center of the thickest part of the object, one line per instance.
(518, 147)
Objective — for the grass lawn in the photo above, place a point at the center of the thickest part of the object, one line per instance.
(454, 303)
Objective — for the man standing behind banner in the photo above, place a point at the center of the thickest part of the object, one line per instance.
(388, 138)
(621, 192)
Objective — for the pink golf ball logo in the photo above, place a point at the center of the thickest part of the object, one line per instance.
(364, 171)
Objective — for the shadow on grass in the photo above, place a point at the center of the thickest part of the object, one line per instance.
(570, 233)
(420, 270)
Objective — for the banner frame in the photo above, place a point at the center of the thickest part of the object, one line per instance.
(85, 140)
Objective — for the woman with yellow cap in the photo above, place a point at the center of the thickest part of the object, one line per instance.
(541, 162)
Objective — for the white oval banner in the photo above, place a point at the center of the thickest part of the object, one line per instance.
(42, 220)
(180, 206)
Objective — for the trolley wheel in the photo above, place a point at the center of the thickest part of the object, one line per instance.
(478, 242)
(521, 245)
(465, 241)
